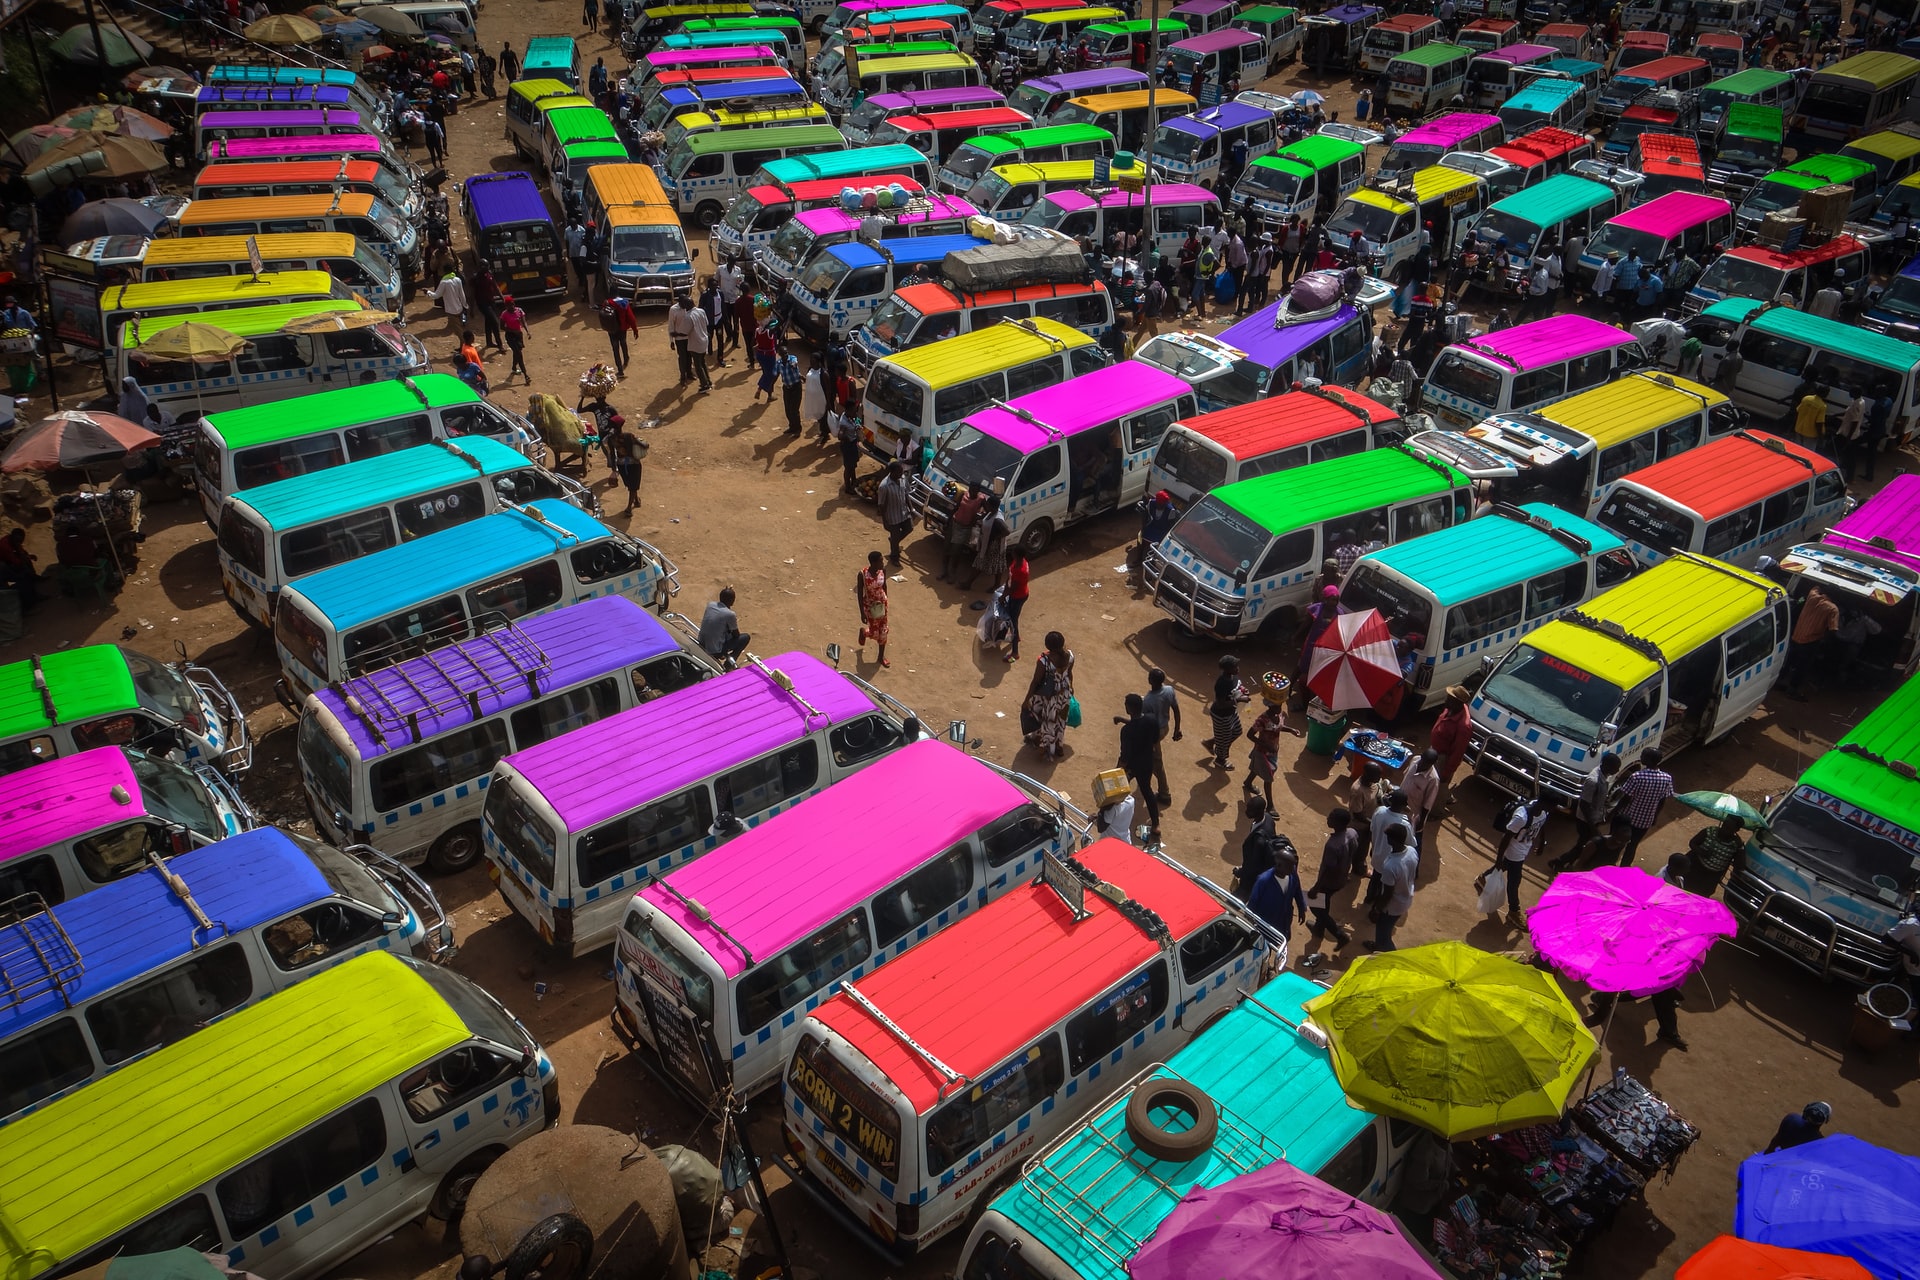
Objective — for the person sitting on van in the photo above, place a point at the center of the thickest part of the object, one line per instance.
(960, 531)
(720, 634)
(472, 374)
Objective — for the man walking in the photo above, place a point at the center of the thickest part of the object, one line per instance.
(1139, 744)
(680, 333)
(509, 62)
(616, 317)
(792, 383)
(1336, 868)
(720, 635)
(576, 241)
(1163, 704)
(1451, 732)
(1809, 641)
(896, 510)
(1517, 842)
(1396, 872)
(1644, 791)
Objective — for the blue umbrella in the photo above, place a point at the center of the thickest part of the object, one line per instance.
(1837, 1195)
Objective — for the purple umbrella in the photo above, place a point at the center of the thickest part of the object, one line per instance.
(1279, 1224)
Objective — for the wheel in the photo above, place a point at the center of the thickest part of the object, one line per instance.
(456, 850)
(1164, 1144)
(557, 1248)
(1036, 537)
(450, 1201)
(708, 214)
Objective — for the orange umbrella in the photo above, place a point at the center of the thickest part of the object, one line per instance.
(1731, 1258)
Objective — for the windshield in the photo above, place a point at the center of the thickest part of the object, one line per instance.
(1643, 518)
(1375, 223)
(326, 765)
(1466, 377)
(1625, 88)
(892, 391)
(1170, 143)
(1614, 238)
(1738, 277)
(349, 877)
(742, 212)
(988, 191)
(1372, 586)
(1266, 180)
(527, 835)
(1073, 113)
(174, 793)
(1902, 297)
(1748, 153)
(1220, 536)
(696, 988)
(1901, 202)
(390, 188)
(866, 117)
(679, 158)
(1518, 231)
(484, 1016)
(1187, 60)
(1045, 213)
(165, 691)
(1030, 98)
(969, 456)
(790, 244)
(375, 266)
(1410, 74)
(1191, 461)
(1658, 184)
(1411, 155)
(1553, 694)
(823, 275)
(387, 222)
(649, 244)
(1029, 29)
(1836, 103)
(1243, 384)
(1179, 359)
(893, 320)
(971, 161)
(1805, 829)
(1766, 197)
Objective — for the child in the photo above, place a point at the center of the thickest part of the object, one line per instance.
(1265, 760)
(1116, 816)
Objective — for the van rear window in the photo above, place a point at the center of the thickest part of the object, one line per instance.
(850, 1108)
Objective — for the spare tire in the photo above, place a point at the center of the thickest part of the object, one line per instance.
(556, 1248)
(1176, 1147)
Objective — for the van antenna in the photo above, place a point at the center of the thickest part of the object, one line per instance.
(454, 448)
(953, 1078)
(784, 683)
(46, 694)
(180, 891)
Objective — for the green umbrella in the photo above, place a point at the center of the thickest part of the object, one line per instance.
(1722, 804)
(76, 45)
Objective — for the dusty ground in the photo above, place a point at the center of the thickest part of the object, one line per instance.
(731, 499)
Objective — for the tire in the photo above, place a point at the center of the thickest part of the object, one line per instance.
(708, 214)
(456, 850)
(1160, 1143)
(450, 1201)
(557, 1248)
(1036, 538)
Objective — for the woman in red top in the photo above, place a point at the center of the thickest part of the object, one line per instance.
(1017, 573)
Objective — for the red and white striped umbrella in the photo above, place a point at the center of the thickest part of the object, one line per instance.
(1353, 663)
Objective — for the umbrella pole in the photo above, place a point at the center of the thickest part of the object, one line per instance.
(100, 514)
(46, 89)
(1605, 1029)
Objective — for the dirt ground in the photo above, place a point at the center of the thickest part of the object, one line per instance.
(731, 499)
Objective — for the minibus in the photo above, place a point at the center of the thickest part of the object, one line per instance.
(1868, 562)
(551, 58)
(109, 994)
(1587, 73)
(1572, 39)
(1897, 309)
(863, 871)
(1059, 455)
(904, 74)
(342, 256)
(526, 123)
(1125, 114)
(1640, 86)
(1782, 190)
(55, 704)
(651, 23)
(71, 825)
(744, 108)
(924, 393)
(1667, 162)
(947, 22)
(452, 20)
(991, 19)
(1640, 47)
(1044, 96)
(1894, 155)
(334, 149)
(567, 843)
(577, 139)
(1737, 499)
(1202, 16)
(1659, 230)
(274, 365)
(1561, 104)
(1484, 35)
(384, 608)
(1198, 148)
(1859, 95)
(833, 67)
(707, 170)
(968, 162)
(366, 218)
(403, 755)
(1010, 191)
(1831, 871)
(902, 1112)
(792, 53)
(247, 448)
(513, 235)
(1424, 144)
(1244, 559)
(1549, 212)
(759, 213)
(1395, 214)
(1217, 59)
(646, 258)
(1093, 1197)
(1529, 159)
(1681, 653)
(1781, 349)
(1291, 429)
(1757, 272)
(1423, 80)
(845, 165)
(805, 233)
(856, 13)
(922, 313)
(1306, 179)
(1757, 87)
(305, 97)
(1269, 351)
(1278, 25)
(285, 1161)
(1525, 367)
(1179, 208)
(216, 127)
(121, 303)
(1459, 594)
(859, 123)
(938, 136)
(1746, 145)
(290, 528)
(662, 61)
(1037, 38)
(1490, 76)
(836, 290)
(235, 180)
(677, 92)
(1123, 44)
(1401, 34)
(365, 100)
(1331, 39)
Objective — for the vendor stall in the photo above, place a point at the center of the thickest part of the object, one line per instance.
(1632, 1121)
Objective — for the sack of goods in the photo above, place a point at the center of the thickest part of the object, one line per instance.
(1052, 259)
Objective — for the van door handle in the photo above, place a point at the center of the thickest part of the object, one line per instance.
(431, 1140)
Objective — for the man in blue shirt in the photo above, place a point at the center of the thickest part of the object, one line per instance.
(1796, 1131)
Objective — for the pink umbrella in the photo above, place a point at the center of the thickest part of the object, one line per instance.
(1619, 929)
(1279, 1224)
(1353, 663)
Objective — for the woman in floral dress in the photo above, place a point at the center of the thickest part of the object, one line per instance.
(1049, 695)
(870, 592)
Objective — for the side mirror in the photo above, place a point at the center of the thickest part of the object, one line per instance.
(1486, 664)
(694, 256)
(1608, 732)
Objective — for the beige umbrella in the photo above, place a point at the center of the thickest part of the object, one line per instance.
(328, 321)
(110, 118)
(283, 28)
(193, 340)
(390, 20)
(121, 157)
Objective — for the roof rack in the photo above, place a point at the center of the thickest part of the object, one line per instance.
(1614, 631)
(202, 925)
(1566, 537)
(699, 912)
(1052, 432)
(1775, 445)
(873, 1011)
(1900, 768)
(453, 447)
(44, 959)
(784, 683)
(366, 699)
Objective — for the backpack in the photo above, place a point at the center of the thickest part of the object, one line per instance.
(610, 316)
(1504, 818)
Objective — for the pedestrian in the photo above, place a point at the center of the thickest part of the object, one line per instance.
(793, 385)
(1714, 851)
(712, 301)
(679, 329)
(960, 531)
(513, 324)
(990, 534)
(436, 137)
(1810, 417)
(1603, 277)
(1163, 704)
(1798, 1130)
(590, 14)
(1852, 429)
(766, 354)
(1879, 414)
(1807, 644)
(895, 495)
(1666, 1005)
(1139, 740)
(846, 432)
(1451, 731)
(1264, 760)
(720, 635)
(1361, 105)
(1275, 894)
(1336, 869)
(467, 70)
(1048, 705)
(1652, 289)
(1259, 275)
(1641, 795)
(813, 400)
(1590, 809)
(483, 295)
(1397, 871)
(597, 78)
(627, 452)
(616, 317)
(575, 239)
(697, 340)
(1519, 837)
(450, 295)
(870, 594)
(1229, 695)
(1388, 806)
(509, 62)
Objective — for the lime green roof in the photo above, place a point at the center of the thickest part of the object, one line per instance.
(782, 135)
(81, 1169)
(1140, 26)
(1264, 13)
(1889, 734)
(81, 683)
(1795, 179)
(1318, 151)
(595, 148)
(1432, 55)
(242, 322)
(1319, 491)
(1833, 168)
(1751, 120)
(1752, 80)
(1786, 322)
(579, 124)
(333, 410)
(1045, 136)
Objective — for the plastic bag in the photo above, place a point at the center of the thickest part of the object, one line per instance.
(1493, 892)
(1073, 713)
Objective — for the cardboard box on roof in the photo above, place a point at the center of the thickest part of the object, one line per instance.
(1825, 209)
(1782, 231)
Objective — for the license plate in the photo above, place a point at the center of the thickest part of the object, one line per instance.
(1810, 951)
(838, 1170)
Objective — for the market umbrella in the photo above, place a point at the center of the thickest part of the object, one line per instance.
(1620, 929)
(1277, 1223)
(1457, 1039)
(1308, 98)
(352, 29)
(437, 37)
(129, 122)
(75, 438)
(390, 20)
(76, 45)
(1722, 804)
(157, 71)
(113, 217)
(194, 340)
(1835, 1195)
(283, 28)
(1731, 1258)
(1353, 663)
(328, 321)
(325, 13)
(26, 146)
(376, 53)
(119, 157)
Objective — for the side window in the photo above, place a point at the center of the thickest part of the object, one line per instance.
(1610, 570)
(431, 513)
(1178, 217)
(923, 895)
(1022, 831)
(863, 283)
(414, 774)
(389, 639)
(1640, 702)
(121, 851)
(708, 166)
(1781, 354)
(34, 874)
(863, 739)
(666, 674)
(1589, 370)
(376, 438)
(1540, 386)
(653, 831)
(1340, 446)
(1750, 645)
(1116, 1017)
(318, 932)
(995, 1101)
(41, 1063)
(1211, 947)
(309, 550)
(1783, 509)
(951, 404)
(1482, 617)
(1677, 437)
(273, 353)
(1035, 374)
(1628, 456)
(1551, 592)
(810, 965)
(305, 1166)
(1416, 518)
(1289, 551)
(608, 558)
(987, 317)
(186, 1225)
(1145, 429)
(759, 785)
(171, 1006)
(1347, 343)
(1268, 463)
(454, 1078)
(518, 594)
(1039, 468)
(1083, 359)
(1829, 487)
(554, 716)
(1728, 532)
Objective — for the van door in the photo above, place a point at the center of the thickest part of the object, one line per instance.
(1753, 657)
(1141, 436)
(1038, 488)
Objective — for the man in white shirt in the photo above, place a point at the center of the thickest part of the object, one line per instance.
(451, 294)
(1397, 871)
(698, 343)
(1521, 838)
(1826, 303)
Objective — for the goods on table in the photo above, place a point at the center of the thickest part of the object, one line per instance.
(109, 512)
(1630, 1121)
(1492, 1235)
(1370, 745)
(1579, 1182)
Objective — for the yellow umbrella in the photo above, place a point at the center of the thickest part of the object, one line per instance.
(327, 321)
(283, 28)
(1459, 1040)
(192, 340)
